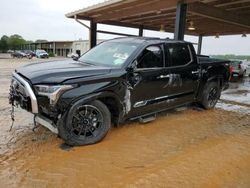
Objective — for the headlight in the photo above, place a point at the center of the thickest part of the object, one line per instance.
(52, 92)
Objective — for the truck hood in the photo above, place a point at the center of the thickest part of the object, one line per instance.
(55, 72)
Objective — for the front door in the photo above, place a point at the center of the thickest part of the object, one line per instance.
(148, 81)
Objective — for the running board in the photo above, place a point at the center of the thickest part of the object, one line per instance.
(146, 119)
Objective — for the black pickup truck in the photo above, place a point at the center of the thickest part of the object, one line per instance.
(118, 80)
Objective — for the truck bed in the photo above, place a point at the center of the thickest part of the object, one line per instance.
(206, 60)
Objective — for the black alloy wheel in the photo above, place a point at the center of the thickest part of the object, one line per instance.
(85, 123)
(211, 95)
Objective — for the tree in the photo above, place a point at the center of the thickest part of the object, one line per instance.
(29, 41)
(15, 41)
(4, 43)
(232, 56)
(41, 41)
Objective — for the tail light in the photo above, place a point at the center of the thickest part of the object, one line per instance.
(231, 72)
(231, 69)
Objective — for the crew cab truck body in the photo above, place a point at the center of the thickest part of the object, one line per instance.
(118, 80)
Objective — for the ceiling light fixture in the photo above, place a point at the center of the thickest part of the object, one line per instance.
(162, 28)
(191, 26)
(244, 34)
(158, 12)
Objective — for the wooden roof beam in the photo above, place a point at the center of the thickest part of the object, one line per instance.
(218, 14)
(140, 10)
(240, 7)
(153, 16)
(224, 3)
(121, 5)
(131, 25)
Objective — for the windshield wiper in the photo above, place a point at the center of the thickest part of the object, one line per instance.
(86, 62)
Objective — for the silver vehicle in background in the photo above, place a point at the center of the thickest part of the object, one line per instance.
(247, 67)
(239, 68)
(41, 54)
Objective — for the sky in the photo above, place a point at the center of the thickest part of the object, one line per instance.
(45, 19)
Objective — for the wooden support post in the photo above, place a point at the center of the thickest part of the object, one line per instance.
(141, 31)
(180, 21)
(93, 34)
(199, 45)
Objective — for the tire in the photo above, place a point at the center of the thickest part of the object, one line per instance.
(85, 124)
(211, 95)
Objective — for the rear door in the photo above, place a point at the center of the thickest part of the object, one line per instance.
(183, 73)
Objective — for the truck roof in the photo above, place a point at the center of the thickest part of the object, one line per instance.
(150, 40)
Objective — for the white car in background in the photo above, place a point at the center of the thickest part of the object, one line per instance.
(239, 68)
(41, 54)
(246, 65)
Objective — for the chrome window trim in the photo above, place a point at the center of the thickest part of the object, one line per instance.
(144, 103)
(29, 92)
(153, 68)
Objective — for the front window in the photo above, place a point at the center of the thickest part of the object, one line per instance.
(112, 54)
(151, 57)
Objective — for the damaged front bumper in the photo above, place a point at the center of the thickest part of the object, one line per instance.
(46, 123)
(20, 89)
(22, 94)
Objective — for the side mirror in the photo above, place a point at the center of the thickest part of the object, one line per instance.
(133, 66)
(75, 58)
(130, 69)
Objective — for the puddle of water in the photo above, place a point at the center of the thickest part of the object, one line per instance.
(233, 108)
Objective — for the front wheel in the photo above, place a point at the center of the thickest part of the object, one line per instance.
(85, 124)
(211, 95)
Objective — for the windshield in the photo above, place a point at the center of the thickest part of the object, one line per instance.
(112, 54)
(235, 63)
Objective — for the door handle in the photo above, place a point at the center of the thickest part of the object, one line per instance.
(195, 72)
(163, 76)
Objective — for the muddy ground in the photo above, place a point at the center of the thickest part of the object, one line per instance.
(181, 148)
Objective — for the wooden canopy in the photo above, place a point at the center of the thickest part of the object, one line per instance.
(208, 17)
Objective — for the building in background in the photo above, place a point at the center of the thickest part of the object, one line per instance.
(60, 48)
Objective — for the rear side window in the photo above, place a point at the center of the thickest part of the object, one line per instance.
(179, 54)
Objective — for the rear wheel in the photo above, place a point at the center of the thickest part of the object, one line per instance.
(211, 95)
(86, 124)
